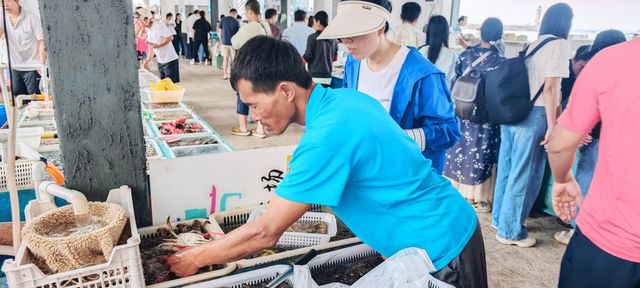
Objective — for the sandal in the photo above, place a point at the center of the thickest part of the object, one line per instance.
(256, 134)
(236, 131)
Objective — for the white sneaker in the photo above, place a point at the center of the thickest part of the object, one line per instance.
(564, 236)
(192, 62)
(482, 207)
(524, 243)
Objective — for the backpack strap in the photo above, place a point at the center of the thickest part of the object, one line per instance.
(475, 63)
(544, 42)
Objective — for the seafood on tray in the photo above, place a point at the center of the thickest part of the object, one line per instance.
(191, 141)
(171, 240)
(180, 127)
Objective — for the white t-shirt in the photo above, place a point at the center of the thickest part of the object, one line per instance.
(552, 60)
(446, 61)
(156, 34)
(23, 40)
(380, 84)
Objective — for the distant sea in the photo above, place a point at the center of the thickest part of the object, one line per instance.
(575, 34)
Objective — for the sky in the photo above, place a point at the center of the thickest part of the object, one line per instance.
(588, 14)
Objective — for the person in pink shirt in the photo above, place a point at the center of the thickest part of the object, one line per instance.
(605, 248)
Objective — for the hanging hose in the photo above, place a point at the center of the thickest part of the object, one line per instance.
(12, 115)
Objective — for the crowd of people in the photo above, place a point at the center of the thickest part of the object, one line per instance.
(421, 82)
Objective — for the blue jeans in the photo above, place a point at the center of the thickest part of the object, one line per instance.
(241, 108)
(586, 167)
(521, 163)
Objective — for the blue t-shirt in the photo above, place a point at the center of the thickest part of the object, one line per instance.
(229, 27)
(355, 159)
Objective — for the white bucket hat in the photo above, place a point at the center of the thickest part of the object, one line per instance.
(355, 18)
(144, 13)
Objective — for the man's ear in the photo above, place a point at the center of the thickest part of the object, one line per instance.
(288, 90)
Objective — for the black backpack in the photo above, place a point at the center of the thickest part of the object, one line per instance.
(507, 88)
(468, 93)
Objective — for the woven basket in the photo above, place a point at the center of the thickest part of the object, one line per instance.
(60, 254)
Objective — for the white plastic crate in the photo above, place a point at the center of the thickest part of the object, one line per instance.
(255, 277)
(123, 268)
(149, 233)
(232, 219)
(24, 174)
(298, 239)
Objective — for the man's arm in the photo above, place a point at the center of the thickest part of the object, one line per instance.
(567, 196)
(252, 237)
(41, 51)
(309, 53)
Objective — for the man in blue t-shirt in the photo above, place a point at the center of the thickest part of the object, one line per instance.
(229, 26)
(353, 158)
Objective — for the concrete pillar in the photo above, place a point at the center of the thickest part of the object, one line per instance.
(215, 13)
(90, 49)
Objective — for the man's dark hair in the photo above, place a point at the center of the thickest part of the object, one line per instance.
(323, 18)
(178, 14)
(270, 13)
(169, 15)
(190, 13)
(410, 11)
(580, 53)
(462, 18)
(233, 10)
(299, 15)
(266, 62)
(196, 11)
(557, 21)
(239, 17)
(385, 4)
(254, 6)
(202, 14)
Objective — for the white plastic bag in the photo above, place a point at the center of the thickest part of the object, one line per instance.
(408, 268)
(302, 279)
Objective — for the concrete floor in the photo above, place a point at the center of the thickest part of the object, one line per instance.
(508, 266)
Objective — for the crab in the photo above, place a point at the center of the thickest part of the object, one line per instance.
(189, 235)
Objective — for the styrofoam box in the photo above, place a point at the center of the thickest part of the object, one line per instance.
(171, 96)
(155, 145)
(216, 232)
(123, 268)
(205, 128)
(254, 277)
(146, 106)
(30, 136)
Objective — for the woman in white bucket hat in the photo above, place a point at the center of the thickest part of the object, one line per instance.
(410, 87)
(416, 95)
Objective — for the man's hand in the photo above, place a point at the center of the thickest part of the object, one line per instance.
(566, 199)
(183, 263)
(152, 45)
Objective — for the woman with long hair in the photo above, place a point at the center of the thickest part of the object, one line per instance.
(436, 49)
(522, 155)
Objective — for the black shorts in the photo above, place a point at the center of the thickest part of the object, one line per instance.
(170, 70)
